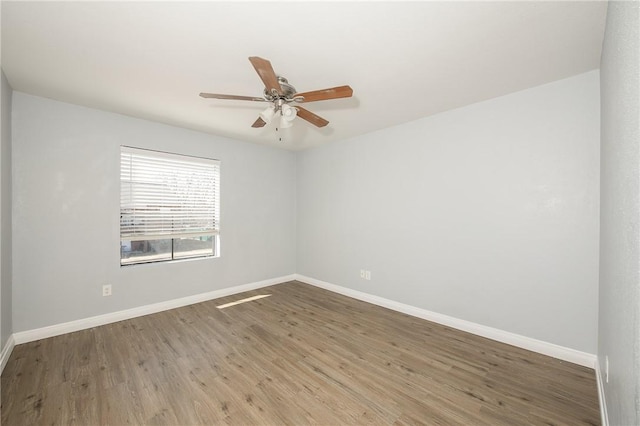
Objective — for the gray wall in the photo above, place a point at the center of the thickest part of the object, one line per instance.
(488, 213)
(66, 214)
(6, 327)
(619, 323)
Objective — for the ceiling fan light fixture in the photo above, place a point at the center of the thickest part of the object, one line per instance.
(267, 114)
(285, 123)
(288, 113)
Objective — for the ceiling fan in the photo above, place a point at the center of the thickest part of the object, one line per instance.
(280, 94)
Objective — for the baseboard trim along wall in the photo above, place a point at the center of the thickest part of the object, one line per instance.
(603, 402)
(82, 324)
(550, 349)
(545, 348)
(6, 352)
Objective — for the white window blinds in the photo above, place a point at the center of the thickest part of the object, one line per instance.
(166, 195)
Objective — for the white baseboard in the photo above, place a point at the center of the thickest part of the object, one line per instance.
(603, 402)
(82, 324)
(550, 349)
(6, 352)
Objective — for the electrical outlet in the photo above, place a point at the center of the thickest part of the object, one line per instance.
(362, 273)
(606, 369)
(106, 290)
(367, 275)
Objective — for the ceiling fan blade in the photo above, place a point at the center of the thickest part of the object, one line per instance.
(312, 118)
(266, 73)
(325, 94)
(258, 123)
(232, 97)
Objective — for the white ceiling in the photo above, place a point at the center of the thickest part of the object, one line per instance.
(403, 60)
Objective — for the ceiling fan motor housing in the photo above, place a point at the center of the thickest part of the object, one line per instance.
(287, 91)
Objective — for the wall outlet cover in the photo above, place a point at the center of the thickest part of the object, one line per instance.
(106, 290)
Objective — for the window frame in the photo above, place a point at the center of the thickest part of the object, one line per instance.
(178, 188)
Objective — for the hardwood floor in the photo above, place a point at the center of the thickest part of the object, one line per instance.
(303, 355)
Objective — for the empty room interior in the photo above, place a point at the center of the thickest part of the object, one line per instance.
(320, 213)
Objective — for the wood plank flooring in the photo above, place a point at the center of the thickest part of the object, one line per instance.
(301, 356)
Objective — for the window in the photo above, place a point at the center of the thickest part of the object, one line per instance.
(169, 206)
